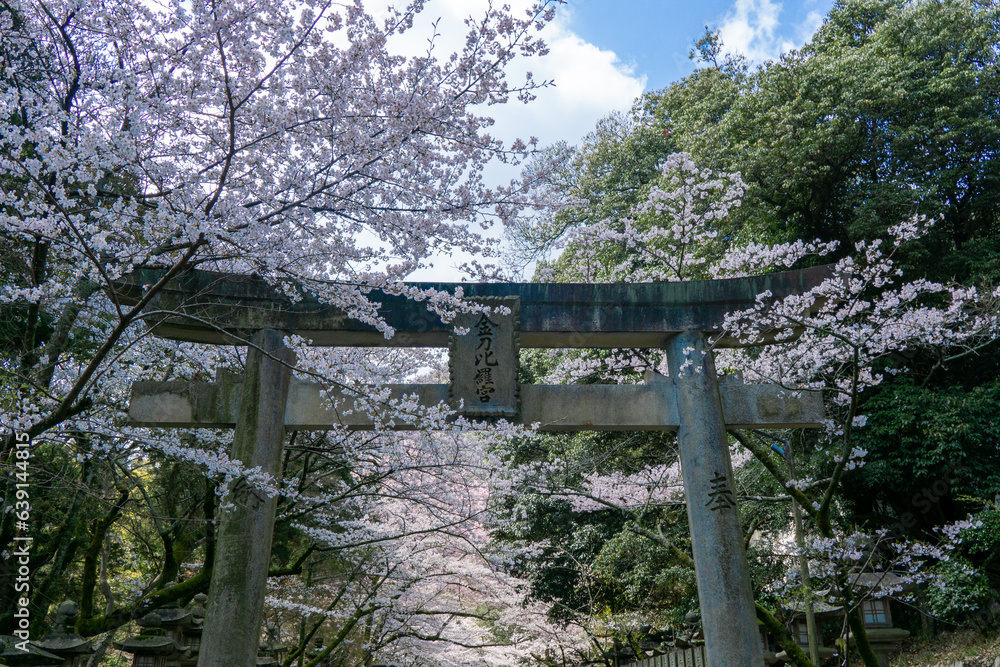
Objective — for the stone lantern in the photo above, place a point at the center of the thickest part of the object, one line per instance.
(15, 657)
(317, 650)
(62, 646)
(155, 647)
(271, 650)
(175, 621)
(193, 630)
(63, 641)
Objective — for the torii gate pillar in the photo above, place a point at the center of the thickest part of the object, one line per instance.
(243, 542)
(725, 595)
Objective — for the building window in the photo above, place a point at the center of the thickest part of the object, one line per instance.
(149, 661)
(194, 643)
(802, 633)
(876, 613)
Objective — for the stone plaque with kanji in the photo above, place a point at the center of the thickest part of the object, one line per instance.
(483, 361)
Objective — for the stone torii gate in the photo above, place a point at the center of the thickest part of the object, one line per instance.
(676, 317)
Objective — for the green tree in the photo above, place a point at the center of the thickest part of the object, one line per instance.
(890, 110)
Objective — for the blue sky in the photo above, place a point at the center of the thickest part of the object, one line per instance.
(603, 54)
(656, 37)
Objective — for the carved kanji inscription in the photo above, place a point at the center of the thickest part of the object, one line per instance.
(483, 361)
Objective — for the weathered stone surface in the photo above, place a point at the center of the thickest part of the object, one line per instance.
(213, 307)
(599, 407)
(243, 547)
(728, 618)
(648, 407)
(483, 362)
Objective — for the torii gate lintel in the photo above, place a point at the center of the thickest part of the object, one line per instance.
(226, 309)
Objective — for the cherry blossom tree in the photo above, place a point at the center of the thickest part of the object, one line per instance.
(289, 139)
(268, 140)
(842, 338)
(672, 235)
(867, 318)
(400, 571)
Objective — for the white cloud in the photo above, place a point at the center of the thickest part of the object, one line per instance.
(809, 26)
(589, 83)
(751, 28)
